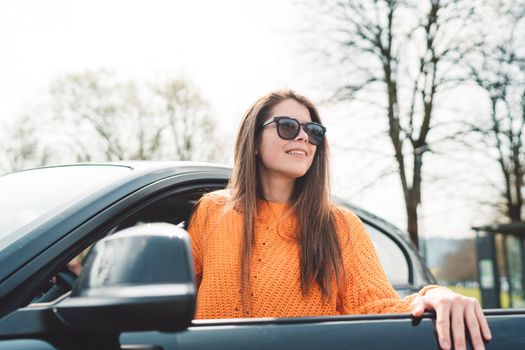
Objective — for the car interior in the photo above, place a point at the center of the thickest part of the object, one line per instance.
(174, 209)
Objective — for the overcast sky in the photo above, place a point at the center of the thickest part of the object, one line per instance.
(232, 50)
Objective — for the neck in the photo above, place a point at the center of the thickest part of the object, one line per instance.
(277, 189)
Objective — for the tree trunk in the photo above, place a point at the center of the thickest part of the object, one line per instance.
(412, 222)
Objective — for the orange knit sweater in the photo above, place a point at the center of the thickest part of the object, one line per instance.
(275, 284)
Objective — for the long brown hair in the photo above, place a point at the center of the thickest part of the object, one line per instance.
(320, 253)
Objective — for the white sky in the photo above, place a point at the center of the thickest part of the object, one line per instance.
(233, 50)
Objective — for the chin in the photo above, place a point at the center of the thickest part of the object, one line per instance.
(296, 173)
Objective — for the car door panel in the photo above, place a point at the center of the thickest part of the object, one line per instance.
(25, 344)
(371, 333)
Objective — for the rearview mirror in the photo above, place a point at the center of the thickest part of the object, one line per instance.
(138, 279)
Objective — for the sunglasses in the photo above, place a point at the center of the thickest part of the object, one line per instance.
(288, 128)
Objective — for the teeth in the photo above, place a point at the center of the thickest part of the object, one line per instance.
(300, 153)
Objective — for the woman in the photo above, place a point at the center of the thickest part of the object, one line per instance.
(272, 244)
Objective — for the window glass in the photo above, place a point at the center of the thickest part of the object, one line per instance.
(392, 258)
(29, 195)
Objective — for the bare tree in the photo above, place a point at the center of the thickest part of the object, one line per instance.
(189, 125)
(403, 54)
(23, 147)
(105, 118)
(498, 68)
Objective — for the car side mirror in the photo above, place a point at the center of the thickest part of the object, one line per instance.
(138, 279)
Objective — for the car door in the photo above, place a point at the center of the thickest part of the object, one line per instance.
(338, 332)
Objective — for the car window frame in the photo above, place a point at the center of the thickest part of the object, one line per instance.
(401, 247)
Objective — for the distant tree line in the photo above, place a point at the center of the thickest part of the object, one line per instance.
(459, 265)
(95, 116)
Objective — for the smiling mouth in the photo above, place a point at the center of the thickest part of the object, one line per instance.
(296, 152)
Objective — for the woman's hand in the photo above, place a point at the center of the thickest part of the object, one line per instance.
(453, 313)
(75, 266)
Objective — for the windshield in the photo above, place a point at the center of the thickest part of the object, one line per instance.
(29, 195)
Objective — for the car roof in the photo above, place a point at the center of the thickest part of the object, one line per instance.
(143, 165)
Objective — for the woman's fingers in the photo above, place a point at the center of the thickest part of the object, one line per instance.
(75, 266)
(443, 323)
(482, 322)
(454, 315)
(473, 326)
(458, 323)
(417, 308)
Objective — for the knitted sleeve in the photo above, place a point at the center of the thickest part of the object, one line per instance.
(196, 231)
(368, 290)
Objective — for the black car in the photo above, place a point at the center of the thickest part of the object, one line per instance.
(52, 214)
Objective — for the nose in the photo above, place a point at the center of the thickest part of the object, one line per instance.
(302, 136)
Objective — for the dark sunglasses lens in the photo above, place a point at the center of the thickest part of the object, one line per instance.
(288, 128)
(315, 133)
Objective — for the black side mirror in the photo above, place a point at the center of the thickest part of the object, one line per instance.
(138, 279)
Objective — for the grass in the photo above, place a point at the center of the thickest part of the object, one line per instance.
(475, 293)
(468, 292)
